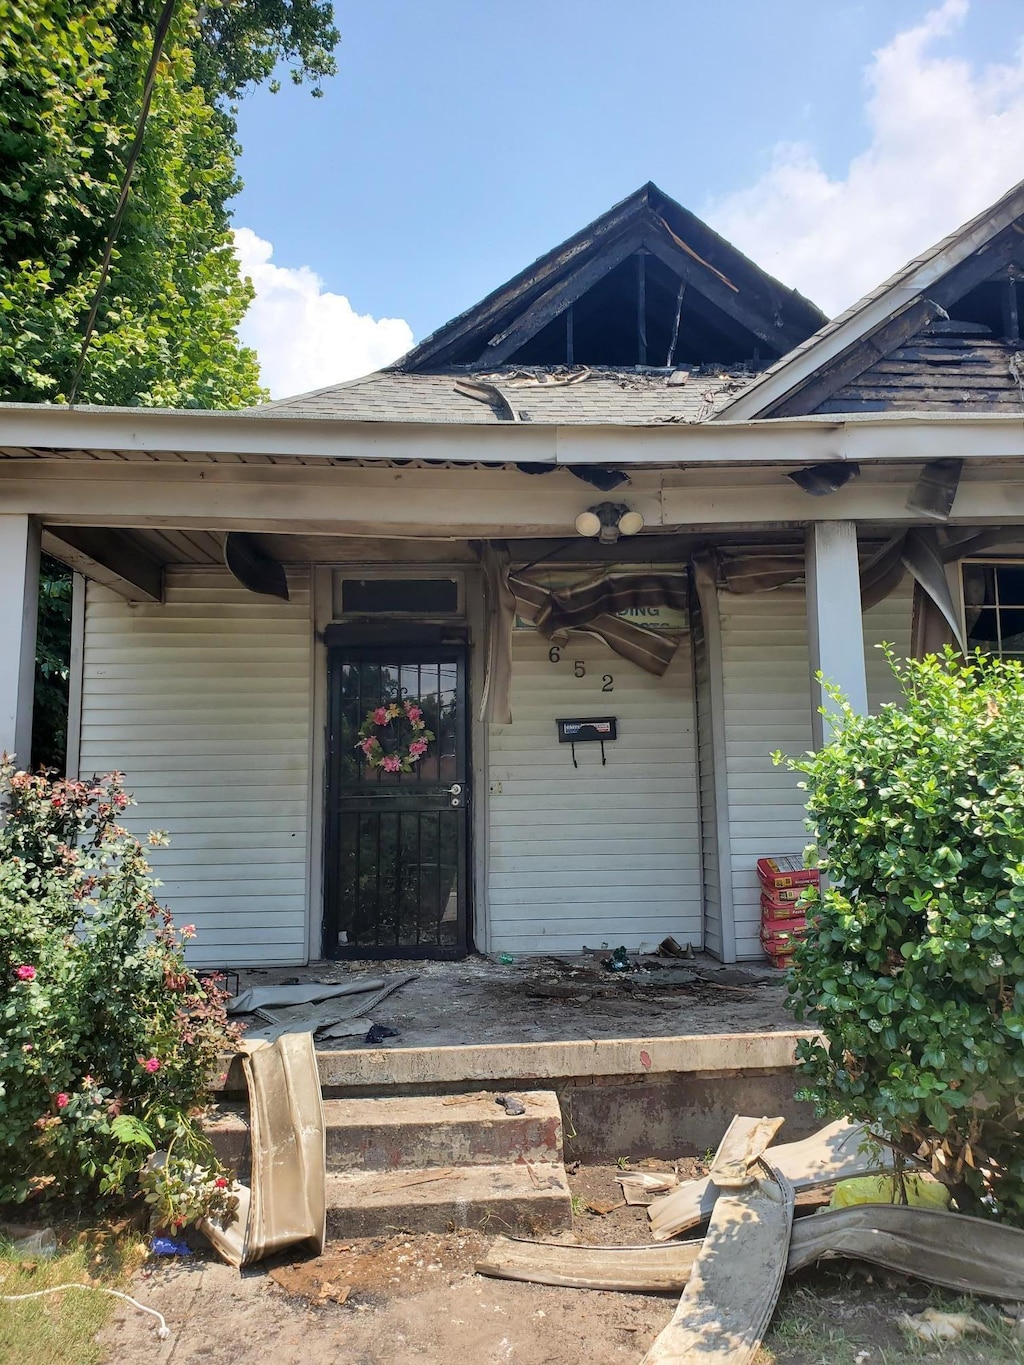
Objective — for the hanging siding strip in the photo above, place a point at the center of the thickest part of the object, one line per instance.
(767, 705)
(203, 702)
(592, 855)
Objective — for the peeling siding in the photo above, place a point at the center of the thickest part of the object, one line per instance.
(204, 703)
(767, 707)
(594, 854)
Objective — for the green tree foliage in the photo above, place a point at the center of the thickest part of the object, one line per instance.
(913, 968)
(71, 78)
(53, 664)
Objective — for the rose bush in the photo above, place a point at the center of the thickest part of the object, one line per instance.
(913, 964)
(107, 1038)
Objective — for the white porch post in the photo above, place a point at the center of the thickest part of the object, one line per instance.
(834, 622)
(19, 603)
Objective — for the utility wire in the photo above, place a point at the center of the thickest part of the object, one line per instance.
(159, 37)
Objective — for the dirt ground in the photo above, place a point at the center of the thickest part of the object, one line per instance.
(415, 1300)
(555, 999)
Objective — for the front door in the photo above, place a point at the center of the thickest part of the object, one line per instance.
(396, 842)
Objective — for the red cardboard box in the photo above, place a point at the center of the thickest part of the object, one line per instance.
(771, 908)
(785, 871)
(780, 936)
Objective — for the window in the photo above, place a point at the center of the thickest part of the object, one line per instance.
(994, 607)
(390, 595)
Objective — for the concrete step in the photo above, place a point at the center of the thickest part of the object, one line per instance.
(418, 1132)
(524, 1197)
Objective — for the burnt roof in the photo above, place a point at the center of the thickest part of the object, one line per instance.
(732, 307)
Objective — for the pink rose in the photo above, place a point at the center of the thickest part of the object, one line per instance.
(368, 745)
(381, 716)
(152, 1064)
(414, 713)
(392, 764)
(26, 973)
(417, 748)
(62, 1100)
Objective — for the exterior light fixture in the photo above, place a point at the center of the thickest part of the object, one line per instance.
(609, 520)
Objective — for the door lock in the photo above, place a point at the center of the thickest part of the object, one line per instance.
(455, 792)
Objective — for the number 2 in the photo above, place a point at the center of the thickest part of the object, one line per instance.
(607, 683)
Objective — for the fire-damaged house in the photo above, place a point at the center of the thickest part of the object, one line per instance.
(491, 649)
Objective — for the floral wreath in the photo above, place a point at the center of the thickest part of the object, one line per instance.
(400, 760)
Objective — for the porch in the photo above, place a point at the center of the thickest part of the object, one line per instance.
(215, 699)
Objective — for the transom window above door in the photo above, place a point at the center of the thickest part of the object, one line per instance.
(994, 606)
(433, 596)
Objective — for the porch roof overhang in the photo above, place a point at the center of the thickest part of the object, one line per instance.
(30, 431)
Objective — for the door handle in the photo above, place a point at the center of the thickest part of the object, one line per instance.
(455, 793)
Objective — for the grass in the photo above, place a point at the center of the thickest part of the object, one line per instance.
(60, 1328)
(830, 1318)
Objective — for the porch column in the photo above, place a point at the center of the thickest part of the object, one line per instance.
(834, 622)
(19, 604)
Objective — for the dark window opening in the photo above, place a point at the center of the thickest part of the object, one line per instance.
(997, 305)
(400, 596)
(994, 608)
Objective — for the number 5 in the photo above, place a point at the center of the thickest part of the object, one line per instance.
(579, 668)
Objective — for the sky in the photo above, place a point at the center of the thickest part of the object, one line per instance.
(830, 141)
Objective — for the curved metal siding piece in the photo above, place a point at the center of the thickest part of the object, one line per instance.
(833, 1153)
(736, 1278)
(967, 1255)
(286, 1202)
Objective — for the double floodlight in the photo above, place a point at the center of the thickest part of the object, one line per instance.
(609, 520)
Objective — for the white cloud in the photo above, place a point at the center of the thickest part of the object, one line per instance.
(947, 139)
(305, 336)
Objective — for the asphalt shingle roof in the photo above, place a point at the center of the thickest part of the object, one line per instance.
(598, 396)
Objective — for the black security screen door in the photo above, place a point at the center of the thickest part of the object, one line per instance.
(396, 842)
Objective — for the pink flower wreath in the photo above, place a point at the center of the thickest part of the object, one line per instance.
(398, 760)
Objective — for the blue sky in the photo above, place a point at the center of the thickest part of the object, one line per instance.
(460, 140)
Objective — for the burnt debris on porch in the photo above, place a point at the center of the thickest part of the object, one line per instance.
(554, 999)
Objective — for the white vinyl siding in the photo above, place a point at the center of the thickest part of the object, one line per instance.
(593, 854)
(203, 702)
(767, 707)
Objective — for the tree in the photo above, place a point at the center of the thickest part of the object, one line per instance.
(71, 79)
(913, 966)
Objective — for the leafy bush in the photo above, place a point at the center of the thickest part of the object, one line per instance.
(107, 1039)
(913, 967)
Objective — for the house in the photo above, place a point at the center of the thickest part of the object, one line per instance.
(598, 533)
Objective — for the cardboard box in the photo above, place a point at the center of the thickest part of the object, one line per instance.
(778, 909)
(786, 871)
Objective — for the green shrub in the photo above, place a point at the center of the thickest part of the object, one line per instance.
(913, 967)
(107, 1039)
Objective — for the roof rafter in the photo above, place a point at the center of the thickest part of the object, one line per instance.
(726, 297)
(556, 299)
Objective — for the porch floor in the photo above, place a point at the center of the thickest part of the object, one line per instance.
(554, 999)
